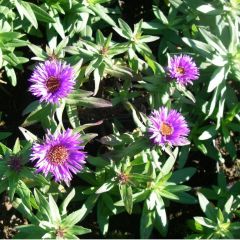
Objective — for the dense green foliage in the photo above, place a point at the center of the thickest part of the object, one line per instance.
(120, 66)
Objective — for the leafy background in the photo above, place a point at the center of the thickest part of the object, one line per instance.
(120, 50)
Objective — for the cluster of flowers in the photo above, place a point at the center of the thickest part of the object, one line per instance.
(62, 153)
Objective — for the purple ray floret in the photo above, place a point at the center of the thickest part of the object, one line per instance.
(61, 155)
(168, 127)
(183, 69)
(52, 81)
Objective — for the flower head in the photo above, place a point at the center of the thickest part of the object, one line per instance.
(168, 128)
(60, 155)
(15, 163)
(183, 69)
(52, 81)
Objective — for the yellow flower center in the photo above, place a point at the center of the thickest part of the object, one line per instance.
(180, 70)
(52, 84)
(57, 155)
(166, 129)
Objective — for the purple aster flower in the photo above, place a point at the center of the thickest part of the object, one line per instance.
(60, 154)
(52, 80)
(168, 128)
(183, 69)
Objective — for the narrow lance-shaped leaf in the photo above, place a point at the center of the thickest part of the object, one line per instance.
(146, 222)
(126, 195)
(206, 206)
(216, 79)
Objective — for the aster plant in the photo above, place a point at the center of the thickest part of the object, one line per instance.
(52, 81)
(163, 76)
(168, 127)
(61, 155)
(51, 221)
(183, 69)
(15, 175)
(218, 223)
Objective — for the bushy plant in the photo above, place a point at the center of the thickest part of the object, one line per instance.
(131, 114)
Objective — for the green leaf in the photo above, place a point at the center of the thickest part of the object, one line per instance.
(206, 206)
(213, 41)
(27, 11)
(4, 135)
(1, 57)
(97, 79)
(41, 14)
(4, 185)
(205, 222)
(127, 198)
(101, 12)
(72, 112)
(88, 125)
(167, 194)
(94, 64)
(80, 214)
(138, 29)
(78, 230)
(9, 36)
(38, 52)
(177, 188)
(90, 102)
(186, 198)
(41, 112)
(182, 175)
(183, 156)
(167, 167)
(213, 102)
(60, 48)
(221, 179)
(67, 200)
(228, 205)
(126, 30)
(208, 133)
(103, 215)
(31, 231)
(24, 192)
(187, 93)
(146, 222)
(43, 204)
(24, 210)
(136, 116)
(13, 184)
(12, 75)
(206, 8)
(17, 43)
(31, 107)
(97, 161)
(100, 38)
(58, 25)
(195, 226)
(161, 222)
(140, 177)
(203, 48)
(229, 144)
(160, 15)
(107, 186)
(217, 77)
(88, 137)
(54, 211)
(79, 93)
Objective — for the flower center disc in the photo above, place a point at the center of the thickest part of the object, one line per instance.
(166, 129)
(57, 155)
(180, 70)
(52, 84)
